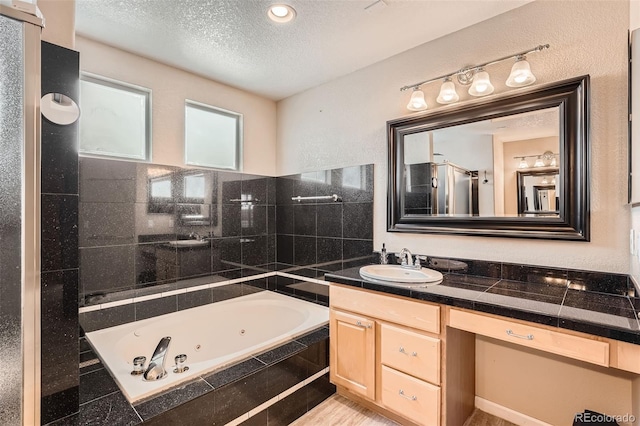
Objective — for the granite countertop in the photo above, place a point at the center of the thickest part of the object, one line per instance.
(593, 303)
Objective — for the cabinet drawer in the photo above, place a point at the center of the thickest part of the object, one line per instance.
(423, 316)
(576, 347)
(410, 352)
(410, 397)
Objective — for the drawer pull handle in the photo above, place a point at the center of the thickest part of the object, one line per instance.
(412, 397)
(360, 324)
(519, 336)
(405, 352)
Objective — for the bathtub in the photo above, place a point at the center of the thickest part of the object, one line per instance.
(211, 336)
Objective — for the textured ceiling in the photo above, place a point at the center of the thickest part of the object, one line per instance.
(233, 41)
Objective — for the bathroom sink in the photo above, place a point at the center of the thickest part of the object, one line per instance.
(188, 243)
(397, 275)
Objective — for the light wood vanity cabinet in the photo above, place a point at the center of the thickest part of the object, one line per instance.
(387, 350)
(414, 361)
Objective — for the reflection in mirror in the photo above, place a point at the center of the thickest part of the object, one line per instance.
(59, 109)
(539, 192)
(441, 167)
(194, 186)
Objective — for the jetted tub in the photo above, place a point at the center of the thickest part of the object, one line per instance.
(211, 336)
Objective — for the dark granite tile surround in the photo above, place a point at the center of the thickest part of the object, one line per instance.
(215, 398)
(134, 243)
(59, 242)
(603, 304)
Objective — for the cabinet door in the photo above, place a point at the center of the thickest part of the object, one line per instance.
(352, 341)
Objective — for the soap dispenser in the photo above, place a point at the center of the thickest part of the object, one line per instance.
(384, 259)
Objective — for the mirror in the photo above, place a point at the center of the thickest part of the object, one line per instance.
(539, 192)
(59, 109)
(513, 166)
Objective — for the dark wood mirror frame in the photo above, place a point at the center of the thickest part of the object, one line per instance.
(572, 99)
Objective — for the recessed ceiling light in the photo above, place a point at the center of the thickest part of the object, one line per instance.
(281, 13)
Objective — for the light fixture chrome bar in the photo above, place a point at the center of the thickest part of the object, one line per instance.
(531, 156)
(466, 70)
(334, 197)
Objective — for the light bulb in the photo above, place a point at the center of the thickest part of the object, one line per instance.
(539, 162)
(417, 102)
(553, 162)
(521, 74)
(481, 84)
(523, 164)
(545, 181)
(448, 94)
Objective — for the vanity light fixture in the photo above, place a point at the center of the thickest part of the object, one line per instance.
(523, 164)
(478, 78)
(481, 84)
(521, 74)
(546, 159)
(448, 94)
(417, 102)
(281, 13)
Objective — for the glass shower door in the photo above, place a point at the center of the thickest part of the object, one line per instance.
(19, 217)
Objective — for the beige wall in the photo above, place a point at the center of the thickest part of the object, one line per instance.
(547, 387)
(343, 122)
(170, 87)
(59, 21)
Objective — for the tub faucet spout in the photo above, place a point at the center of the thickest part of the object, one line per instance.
(156, 370)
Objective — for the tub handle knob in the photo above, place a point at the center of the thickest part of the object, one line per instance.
(180, 361)
(138, 365)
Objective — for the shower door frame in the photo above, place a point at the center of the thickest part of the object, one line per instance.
(31, 194)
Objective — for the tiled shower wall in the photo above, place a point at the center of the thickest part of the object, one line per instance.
(136, 217)
(318, 236)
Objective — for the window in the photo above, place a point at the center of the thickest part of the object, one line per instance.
(116, 119)
(213, 137)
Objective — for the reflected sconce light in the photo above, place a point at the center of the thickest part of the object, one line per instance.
(477, 77)
(417, 102)
(546, 159)
(523, 164)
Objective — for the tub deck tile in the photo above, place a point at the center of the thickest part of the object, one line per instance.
(106, 411)
(173, 398)
(314, 337)
(233, 373)
(95, 385)
(281, 352)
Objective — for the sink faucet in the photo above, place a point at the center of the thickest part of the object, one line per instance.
(156, 370)
(406, 259)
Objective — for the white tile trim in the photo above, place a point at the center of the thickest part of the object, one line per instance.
(263, 406)
(280, 397)
(197, 288)
(107, 305)
(238, 420)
